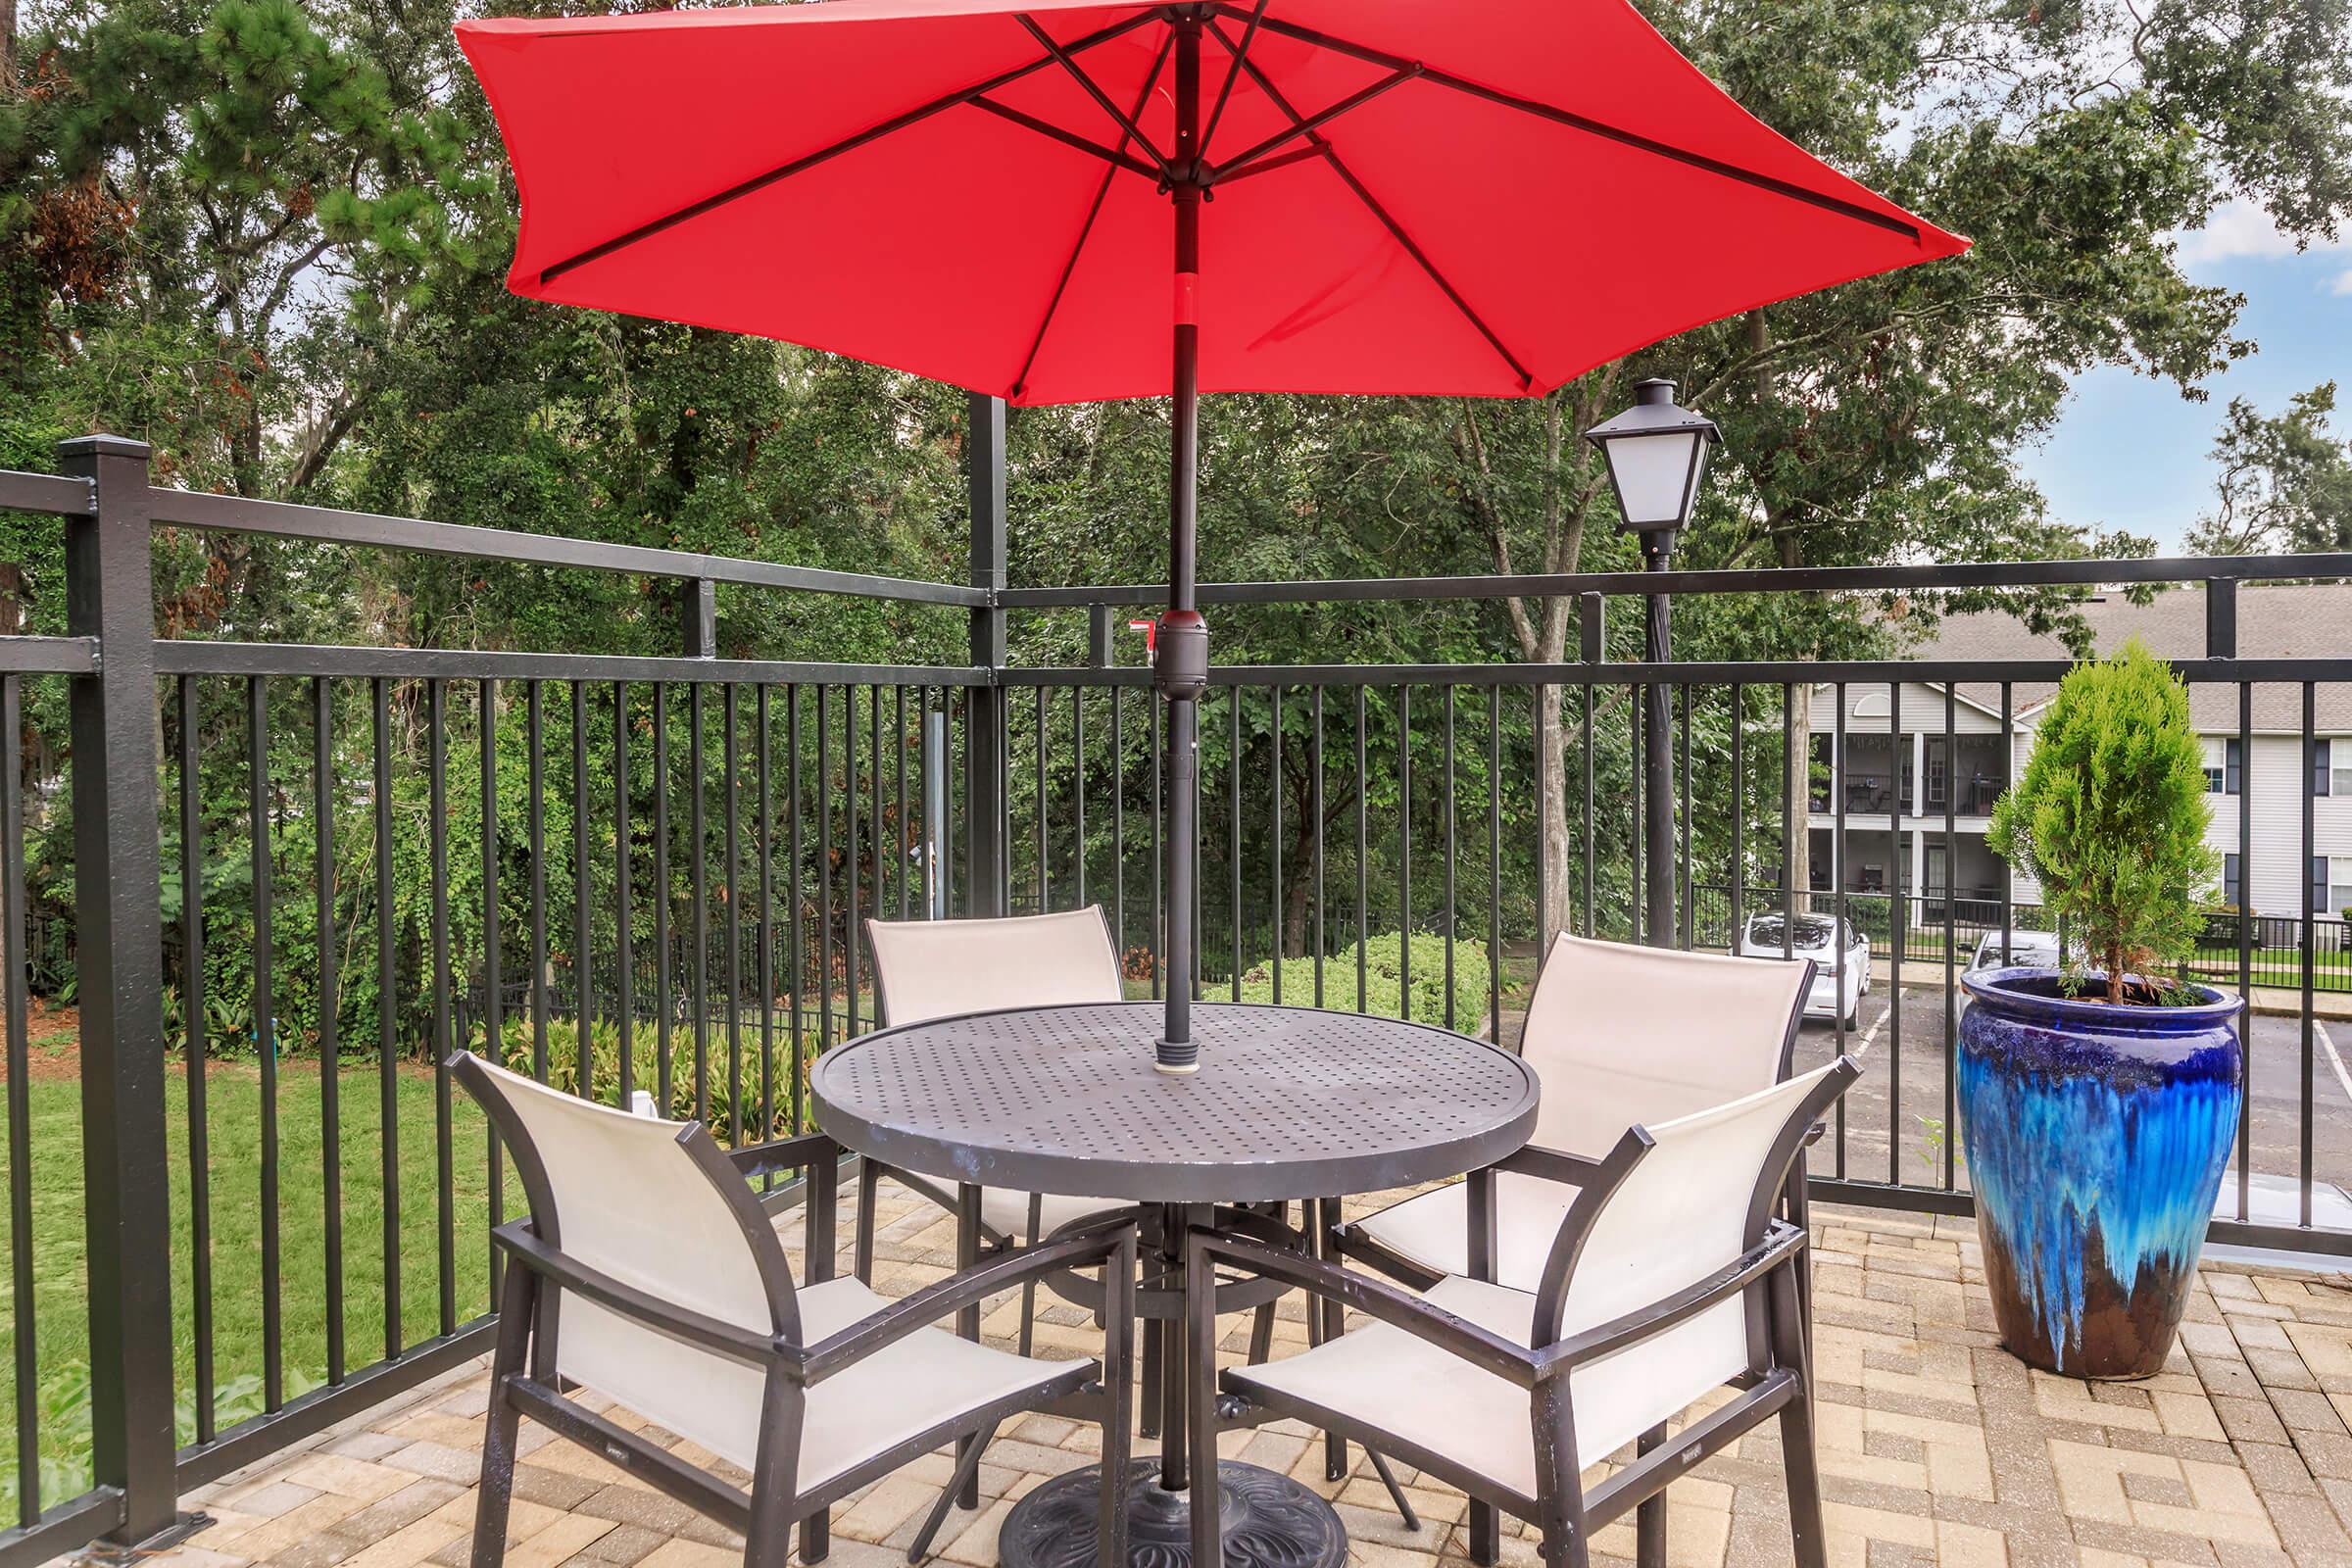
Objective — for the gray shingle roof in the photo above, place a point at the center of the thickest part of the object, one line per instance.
(2281, 621)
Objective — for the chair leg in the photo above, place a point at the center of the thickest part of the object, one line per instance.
(967, 1321)
(1790, 1348)
(869, 1186)
(515, 1307)
(1037, 1221)
(1559, 1491)
(1118, 1412)
(775, 1469)
(1199, 1330)
(1388, 1479)
(1649, 1516)
(1335, 1323)
(967, 1468)
(1485, 1535)
(1261, 1334)
(1261, 1322)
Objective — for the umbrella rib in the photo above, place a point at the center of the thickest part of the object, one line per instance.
(1266, 166)
(1069, 139)
(1242, 161)
(1127, 122)
(807, 161)
(1322, 144)
(1086, 230)
(1231, 73)
(1595, 128)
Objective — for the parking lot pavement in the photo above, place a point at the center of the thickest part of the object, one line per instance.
(1901, 1096)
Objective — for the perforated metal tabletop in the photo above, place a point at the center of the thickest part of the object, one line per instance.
(1289, 1103)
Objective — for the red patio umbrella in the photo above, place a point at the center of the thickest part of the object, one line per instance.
(1019, 197)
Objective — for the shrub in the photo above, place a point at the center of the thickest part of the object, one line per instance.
(2111, 814)
(518, 1039)
(1382, 990)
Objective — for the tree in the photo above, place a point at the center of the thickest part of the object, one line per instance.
(2285, 480)
(2110, 817)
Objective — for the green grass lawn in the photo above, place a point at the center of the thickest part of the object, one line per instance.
(234, 1118)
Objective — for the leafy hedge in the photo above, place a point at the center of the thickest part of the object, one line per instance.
(1383, 980)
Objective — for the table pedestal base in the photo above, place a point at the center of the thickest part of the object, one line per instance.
(1270, 1521)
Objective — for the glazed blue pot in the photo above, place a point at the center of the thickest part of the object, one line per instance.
(2096, 1136)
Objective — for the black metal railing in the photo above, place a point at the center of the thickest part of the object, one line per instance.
(300, 875)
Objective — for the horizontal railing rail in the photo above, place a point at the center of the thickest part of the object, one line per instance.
(2085, 573)
(197, 508)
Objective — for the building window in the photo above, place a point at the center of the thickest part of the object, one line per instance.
(2233, 878)
(2331, 884)
(2330, 769)
(2337, 765)
(2224, 764)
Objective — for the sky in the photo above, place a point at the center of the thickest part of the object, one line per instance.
(2130, 453)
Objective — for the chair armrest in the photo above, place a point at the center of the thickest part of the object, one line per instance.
(1552, 1165)
(1378, 1299)
(783, 1153)
(1782, 1245)
(683, 1324)
(1106, 1243)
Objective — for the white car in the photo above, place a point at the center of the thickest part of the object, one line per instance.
(2028, 949)
(1837, 989)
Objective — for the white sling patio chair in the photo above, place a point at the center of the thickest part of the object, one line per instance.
(649, 1273)
(925, 969)
(1671, 1276)
(1619, 1035)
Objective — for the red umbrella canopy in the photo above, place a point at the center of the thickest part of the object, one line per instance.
(1485, 197)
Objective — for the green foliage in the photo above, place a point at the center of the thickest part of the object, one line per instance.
(2285, 480)
(1383, 990)
(2111, 814)
(776, 1082)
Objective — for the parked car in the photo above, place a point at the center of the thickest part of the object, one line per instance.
(2028, 949)
(1837, 987)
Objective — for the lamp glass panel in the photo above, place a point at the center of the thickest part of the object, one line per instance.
(1653, 476)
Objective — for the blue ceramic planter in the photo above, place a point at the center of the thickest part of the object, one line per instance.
(2096, 1136)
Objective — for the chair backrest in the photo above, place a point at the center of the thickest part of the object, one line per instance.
(1623, 1035)
(927, 969)
(656, 1206)
(1681, 1200)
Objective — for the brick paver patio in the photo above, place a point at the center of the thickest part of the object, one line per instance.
(1938, 1447)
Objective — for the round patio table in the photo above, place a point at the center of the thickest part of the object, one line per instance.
(1290, 1104)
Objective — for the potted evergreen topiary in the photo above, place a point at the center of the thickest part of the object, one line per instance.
(2098, 1102)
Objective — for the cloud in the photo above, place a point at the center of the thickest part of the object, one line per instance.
(2343, 286)
(2241, 230)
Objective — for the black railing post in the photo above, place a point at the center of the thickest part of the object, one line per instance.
(985, 873)
(110, 596)
(699, 618)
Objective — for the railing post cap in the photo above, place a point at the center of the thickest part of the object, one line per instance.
(102, 444)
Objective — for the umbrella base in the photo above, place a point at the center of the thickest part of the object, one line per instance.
(1270, 1520)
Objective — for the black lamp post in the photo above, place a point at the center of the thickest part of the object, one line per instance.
(1657, 451)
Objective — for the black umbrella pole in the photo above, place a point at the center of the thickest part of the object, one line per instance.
(1180, 662)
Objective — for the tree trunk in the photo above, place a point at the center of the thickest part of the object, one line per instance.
(1552, 782)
